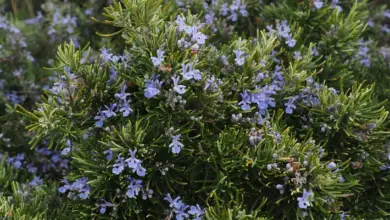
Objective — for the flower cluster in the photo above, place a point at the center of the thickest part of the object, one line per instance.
(132, 162)
(283, 30)
(123, 106)
(79, 187)
(180, 209)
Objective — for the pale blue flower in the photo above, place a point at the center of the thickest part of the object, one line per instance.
(152, 87)
(157, 61)
(304, 201)
(173, 203)
(196, 211)
(109, 154)
(119, 166)
(176, 87)
(176, 145)
(134, 188)
(240, 59)
(104, 206)
(318, 4)
(110, 111)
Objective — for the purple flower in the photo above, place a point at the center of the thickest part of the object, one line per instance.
(65, 187)
(134, 188)
(304, 201)
(176, 145)
(195, 34)
(318, 4)
(263, 98)
(110, 111)
(159, 59)
(135, 164)
(385, 167)
(239, 59)
(152, 87)
(176, 87)
(332, 165)
(334, 5)
(65, 151)
(173, 203)
(290, 105)
(180, 21)
(122, 95)
(31, 168)
(387, 13)
(100, 118)
(181, 212)
(190, 73)
(196, 211)
(224, 9)
(106, 55)
(297, 55)
(55, 158)
(84, 192)
(119, 166)
(291, 42)
(36, 181)
(246, 100)
(109, 154)
(104, 206)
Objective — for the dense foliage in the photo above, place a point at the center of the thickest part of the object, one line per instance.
(186, 109)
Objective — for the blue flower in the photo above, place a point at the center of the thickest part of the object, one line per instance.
(119, 166)
(224, 9)
(104, 206)
(297, 55)
(36, 181)
(196, 211)
(31, 168)
(132, 161)
(134, 188)
(263, 98)
(290, 105)
(100, 118)
(135, 164)
(124, 105)
(341, 179)
(176, 87)
(176, 145)
(122, 95)
(173, 203)
(195, 34)
(332, 165)
(65, 187)
(190, 73)
(125, 108)
(110, 111)
(246, 100)
(55, 158)
(304, 201)
(240, 60)
(106, 55)
(152, 87)
(109, 154)
(65, 151)
(387, 13)
(385, 167)
(159, 59)
(318, 4)
(181, 212)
